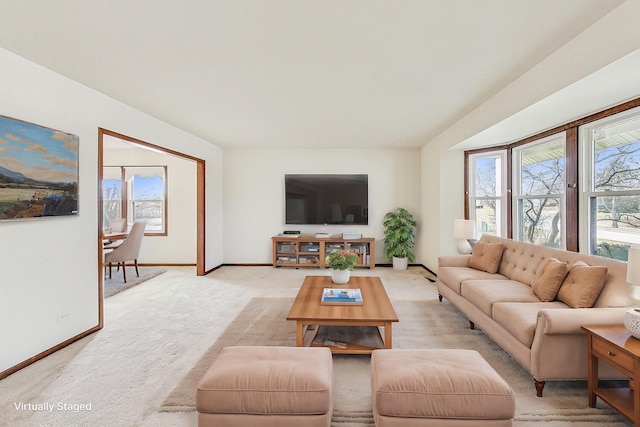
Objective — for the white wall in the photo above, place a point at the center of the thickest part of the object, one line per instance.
(442, 202)
(49, 284)
(254, 193)
(179, 245)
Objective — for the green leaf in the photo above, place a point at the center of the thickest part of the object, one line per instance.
(399, 234)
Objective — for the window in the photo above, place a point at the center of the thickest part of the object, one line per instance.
(576, 186)
(539, 191)
(610, 203)
(143, 197)
(146, 189)
(111, 195)
(488, 192)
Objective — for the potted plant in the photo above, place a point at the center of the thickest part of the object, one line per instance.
(399, 234)
(341, 263)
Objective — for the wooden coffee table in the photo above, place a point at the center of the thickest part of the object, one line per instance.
(376, 310)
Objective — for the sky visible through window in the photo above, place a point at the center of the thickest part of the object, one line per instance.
(148, 188)
(111, 189)
(486, 176)
(617, 167)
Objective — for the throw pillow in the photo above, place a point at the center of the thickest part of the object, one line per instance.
(548, 279)
(582, 285)
(486, 257)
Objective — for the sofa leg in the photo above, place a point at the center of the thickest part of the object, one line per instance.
(440, 297)
(472, 325)
(539, 386)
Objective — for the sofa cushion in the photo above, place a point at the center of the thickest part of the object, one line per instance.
(520, 318)
(549, 278)
(484, 293)
(583, 284)
(486, 257)
(454, 276)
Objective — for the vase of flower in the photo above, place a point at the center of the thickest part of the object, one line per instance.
(341, 263)
(340, 277)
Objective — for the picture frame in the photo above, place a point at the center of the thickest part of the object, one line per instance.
(39, 171)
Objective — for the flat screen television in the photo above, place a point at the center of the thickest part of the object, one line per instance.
(326, 199)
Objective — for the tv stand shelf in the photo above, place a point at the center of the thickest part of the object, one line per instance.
(311, 251)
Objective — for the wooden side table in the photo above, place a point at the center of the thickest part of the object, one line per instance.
(615, 346)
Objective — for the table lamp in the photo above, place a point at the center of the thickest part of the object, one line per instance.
(632, 316)
(464, 229)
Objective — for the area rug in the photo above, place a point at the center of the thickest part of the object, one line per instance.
(423, 324)
(116, 283)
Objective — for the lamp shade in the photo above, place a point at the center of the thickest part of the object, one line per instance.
(633, 266)
(464, 228)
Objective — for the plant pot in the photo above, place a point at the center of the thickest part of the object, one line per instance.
(340, 277)
(400, 263)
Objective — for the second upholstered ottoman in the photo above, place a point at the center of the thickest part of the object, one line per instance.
(438, 387)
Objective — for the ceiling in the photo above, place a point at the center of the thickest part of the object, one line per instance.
(294, 73)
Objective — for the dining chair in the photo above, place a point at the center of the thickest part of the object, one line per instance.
(128, 250)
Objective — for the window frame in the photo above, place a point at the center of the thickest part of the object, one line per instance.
(588, 193)
(501, 196)
(518, 195)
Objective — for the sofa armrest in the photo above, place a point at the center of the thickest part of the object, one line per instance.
(569, 320)
(454, 261)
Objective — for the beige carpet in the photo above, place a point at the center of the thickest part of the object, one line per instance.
(423, 324)
(156, 332)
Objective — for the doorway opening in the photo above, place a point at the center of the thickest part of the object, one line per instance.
(105, 137)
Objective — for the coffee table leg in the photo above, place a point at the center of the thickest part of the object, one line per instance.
(387, 335)
(299, 333)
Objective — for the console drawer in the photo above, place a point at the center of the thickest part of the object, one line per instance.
(612, 354)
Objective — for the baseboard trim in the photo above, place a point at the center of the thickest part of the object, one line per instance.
(213, 269)
(47, 352)
(428, 269)
(152, 264)
(246, 264)
(164, 264)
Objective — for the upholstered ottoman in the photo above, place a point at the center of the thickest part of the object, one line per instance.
(439, 388)
(267, 386)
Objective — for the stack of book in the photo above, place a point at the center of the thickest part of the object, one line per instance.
(341, 296)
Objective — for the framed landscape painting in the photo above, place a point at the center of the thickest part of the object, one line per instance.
(38, 171)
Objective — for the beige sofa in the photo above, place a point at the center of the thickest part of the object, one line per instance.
(544, 336)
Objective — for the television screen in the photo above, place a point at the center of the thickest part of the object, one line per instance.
(326, 199)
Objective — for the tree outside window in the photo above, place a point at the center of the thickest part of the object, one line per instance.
(540, 195)
(488, 193)
(613, 195)
(111, 195)
(111, 198)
